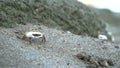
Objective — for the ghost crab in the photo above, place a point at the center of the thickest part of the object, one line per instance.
(32, 36)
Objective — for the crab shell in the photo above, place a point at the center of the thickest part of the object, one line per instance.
(33, 36)
(102, 37)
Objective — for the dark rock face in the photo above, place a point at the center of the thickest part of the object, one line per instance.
(67, 14)
(95, 62)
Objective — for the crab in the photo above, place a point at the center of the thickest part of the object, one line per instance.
(33, 37)
(102, 37)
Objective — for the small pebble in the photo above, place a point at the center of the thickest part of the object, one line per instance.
(117, 47)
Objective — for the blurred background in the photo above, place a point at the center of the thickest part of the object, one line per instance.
(112, 5)
(109, 11)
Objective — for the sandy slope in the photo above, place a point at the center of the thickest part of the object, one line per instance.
(62, 50)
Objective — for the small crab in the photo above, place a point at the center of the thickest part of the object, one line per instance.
(102, 37)
(33, 37)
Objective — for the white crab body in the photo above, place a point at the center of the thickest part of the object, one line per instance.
(102, 37)
(32, 34)
(35, 37)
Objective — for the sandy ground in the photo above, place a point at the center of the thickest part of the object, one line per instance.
(61, 50)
